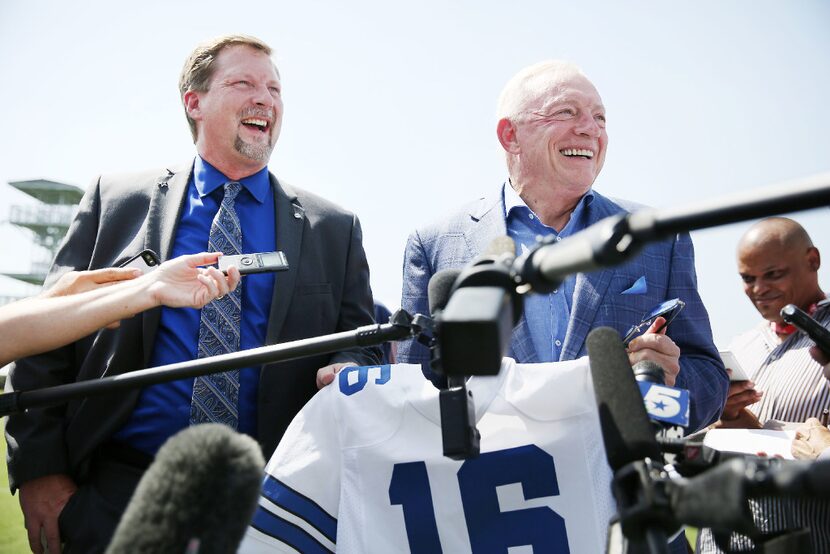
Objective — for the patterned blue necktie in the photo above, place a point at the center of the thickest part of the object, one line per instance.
(216, 397)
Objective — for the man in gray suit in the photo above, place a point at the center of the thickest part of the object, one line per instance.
(551, 125)
(77, 465)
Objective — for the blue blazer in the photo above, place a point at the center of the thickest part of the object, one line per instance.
(605, 297)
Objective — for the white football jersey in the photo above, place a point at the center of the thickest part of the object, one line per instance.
(361, 469)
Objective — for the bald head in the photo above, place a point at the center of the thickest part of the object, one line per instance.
(779, 265)
(775, 232)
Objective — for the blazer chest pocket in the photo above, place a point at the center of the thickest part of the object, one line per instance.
(313, 288)
(314, 307)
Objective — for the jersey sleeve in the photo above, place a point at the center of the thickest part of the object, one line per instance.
(301, 493)
(298, 506)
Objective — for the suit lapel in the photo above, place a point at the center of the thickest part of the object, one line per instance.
(163, 216)
(290, 223)
(488, 222)
(521, 345)
(589, 289)
(589, 292)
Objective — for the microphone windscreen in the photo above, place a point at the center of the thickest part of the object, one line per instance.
(626, 430)
(646, 370)
(204, 484)
(716, 498)
(439, 289)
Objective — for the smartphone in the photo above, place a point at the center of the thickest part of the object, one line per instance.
(731, 362)
(146, 261)
(815, 330)
(668, 309)
(261, 262)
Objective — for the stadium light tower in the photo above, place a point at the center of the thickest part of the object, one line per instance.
(48, 220)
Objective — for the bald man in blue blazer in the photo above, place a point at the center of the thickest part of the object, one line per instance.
(552, 128)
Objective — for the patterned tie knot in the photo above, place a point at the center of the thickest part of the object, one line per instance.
(226, 230)
(232, 188)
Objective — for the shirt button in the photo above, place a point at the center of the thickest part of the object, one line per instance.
(530, 216)
(555, 291)
(557, 342)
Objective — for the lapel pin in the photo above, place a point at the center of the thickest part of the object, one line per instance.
(162, 182)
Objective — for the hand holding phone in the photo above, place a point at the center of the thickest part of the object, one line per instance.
(261, 262)
(730, 362)
(668, 310)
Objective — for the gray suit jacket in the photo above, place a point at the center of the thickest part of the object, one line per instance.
(601, 298)
(326, 290)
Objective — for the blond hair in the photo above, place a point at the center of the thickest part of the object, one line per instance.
(199, 68)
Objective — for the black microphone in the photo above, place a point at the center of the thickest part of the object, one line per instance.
(630, 445)
(474, 328)
(459, 436)
(667, 407)
(617, 238)
(717, 498)
(793, 315)
(605, 243)
(198, 495)
(439, 289)
(649, 371)
(626, 430)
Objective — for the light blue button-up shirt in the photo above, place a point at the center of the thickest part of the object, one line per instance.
(547, 315)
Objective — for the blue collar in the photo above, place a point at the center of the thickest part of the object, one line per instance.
(512, 201)
(207, 179)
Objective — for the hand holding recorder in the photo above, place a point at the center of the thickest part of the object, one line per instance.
(83, 302)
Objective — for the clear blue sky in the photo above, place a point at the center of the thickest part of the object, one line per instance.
(390, 107)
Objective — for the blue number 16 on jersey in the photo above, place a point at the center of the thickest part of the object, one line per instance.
(489, 529)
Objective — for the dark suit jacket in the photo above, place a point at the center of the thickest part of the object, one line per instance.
(604, 297)
(326, 290)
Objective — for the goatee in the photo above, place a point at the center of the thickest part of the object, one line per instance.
(257, 152)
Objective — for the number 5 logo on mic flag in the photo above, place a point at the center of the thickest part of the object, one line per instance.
(666, 403)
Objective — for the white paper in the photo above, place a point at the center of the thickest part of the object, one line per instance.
(752, 441)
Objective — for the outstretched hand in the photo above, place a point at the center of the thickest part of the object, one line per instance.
(184, 282)
(75, 282)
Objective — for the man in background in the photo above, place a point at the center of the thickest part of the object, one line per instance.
(77, 465)
(779, 265)
(552, 127)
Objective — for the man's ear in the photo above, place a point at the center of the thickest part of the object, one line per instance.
(506, 131)
(813, 258)
(192, 104)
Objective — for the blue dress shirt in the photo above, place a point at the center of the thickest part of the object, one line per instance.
(547, 315)
(164, 409)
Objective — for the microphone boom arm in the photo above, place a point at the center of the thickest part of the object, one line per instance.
(401, 326)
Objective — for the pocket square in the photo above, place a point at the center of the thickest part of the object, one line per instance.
(639, 287)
